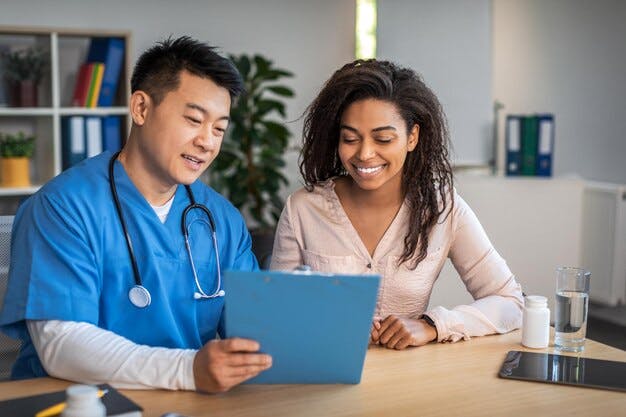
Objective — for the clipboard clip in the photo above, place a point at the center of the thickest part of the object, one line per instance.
(303, 270)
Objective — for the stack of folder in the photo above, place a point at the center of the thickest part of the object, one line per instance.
(96, 86)
(529, 145)
(98, 78)
(88, 85)
(86, 136)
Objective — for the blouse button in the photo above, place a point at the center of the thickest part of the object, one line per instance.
(369, 266)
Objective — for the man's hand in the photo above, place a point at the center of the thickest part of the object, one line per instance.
(398, 333)
(222, 364)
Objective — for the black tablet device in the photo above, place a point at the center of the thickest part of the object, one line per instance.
(561, 369)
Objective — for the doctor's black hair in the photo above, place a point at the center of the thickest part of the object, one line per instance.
(158, 69)
(427, 179)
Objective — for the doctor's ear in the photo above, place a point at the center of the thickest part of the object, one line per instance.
(140, 102)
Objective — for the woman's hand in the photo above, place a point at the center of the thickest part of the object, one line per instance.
(398, 333)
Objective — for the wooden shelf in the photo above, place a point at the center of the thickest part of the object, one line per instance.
(67, 51)
(26, 111)
(96, 111)
(10, 192)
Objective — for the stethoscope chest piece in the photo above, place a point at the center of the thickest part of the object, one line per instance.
(139, 296)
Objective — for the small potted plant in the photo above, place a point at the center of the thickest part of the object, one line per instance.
(15, 153)
(23, 69)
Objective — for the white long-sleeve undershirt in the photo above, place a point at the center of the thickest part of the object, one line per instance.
(85, 353)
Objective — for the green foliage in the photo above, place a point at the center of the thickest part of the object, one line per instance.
(16, 145)
(25, 64)
(248, 169)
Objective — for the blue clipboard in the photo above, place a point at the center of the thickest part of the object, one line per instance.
(315, 326)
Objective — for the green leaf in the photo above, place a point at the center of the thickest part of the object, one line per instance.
(281, 90)
(262, 64)
(279, 73)
(265, 106)
(243, 65)
(277, 129)
(17, 145)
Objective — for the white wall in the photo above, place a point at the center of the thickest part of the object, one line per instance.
(567, 57)
(310, 38)
(449, 43)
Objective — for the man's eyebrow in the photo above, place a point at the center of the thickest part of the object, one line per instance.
(204, 111)
(195, 106)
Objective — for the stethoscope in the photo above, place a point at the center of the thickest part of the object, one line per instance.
(139, 295)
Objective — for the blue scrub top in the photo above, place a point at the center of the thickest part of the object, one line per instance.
(69, 261)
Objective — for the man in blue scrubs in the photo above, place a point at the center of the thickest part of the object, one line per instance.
(68, 296)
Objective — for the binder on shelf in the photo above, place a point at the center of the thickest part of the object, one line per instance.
(81, 89)
(95, 84)
(513, 144)
(72, 140)
(529, 145)
(111, 133)
(109, 51)
(545, 148)
(93, 129)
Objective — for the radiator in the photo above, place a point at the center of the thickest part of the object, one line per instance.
(603, 242)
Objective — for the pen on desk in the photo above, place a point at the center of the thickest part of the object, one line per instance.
(58, 408)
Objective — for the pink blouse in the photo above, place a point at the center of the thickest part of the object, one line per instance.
(314, 230)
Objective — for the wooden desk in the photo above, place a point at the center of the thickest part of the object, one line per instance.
(457, 379)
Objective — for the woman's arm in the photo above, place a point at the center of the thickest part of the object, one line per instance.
(499, 301)
(287, 251)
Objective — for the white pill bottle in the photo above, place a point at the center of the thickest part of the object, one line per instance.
(83, 401)
(536, 322)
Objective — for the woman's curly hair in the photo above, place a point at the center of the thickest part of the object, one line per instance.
(427, 179)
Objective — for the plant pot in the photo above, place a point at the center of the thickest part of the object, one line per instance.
(262, 245)
(15, 172)
(24, 93)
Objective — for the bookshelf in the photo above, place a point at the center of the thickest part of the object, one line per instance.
(66, 50)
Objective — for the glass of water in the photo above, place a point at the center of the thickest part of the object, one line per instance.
(572, 303)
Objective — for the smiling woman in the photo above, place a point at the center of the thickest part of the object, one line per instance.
(375, 165)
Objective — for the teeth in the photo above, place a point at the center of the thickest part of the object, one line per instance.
(369, 170)
(192, 159)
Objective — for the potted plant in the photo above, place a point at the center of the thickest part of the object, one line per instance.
(15, 153)
(24, 69)
(249, 169)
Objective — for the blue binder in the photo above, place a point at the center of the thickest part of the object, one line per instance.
(514, 144)
(111, 133)
(315, 326)
(73, 142)
(545, 150)
(109, 51)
